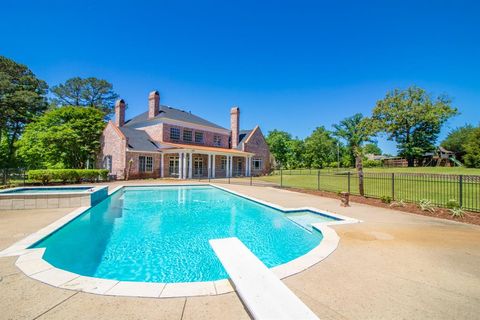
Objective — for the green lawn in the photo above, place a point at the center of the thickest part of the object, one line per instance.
(407, 184)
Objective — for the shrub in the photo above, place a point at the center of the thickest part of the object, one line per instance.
(67, 175)
(44, 176)
(400, 203)
(386, 199)
(457, 212)
(372, 163)
(452, 204)
(426, 205)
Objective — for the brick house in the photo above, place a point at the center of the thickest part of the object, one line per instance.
(168, 142)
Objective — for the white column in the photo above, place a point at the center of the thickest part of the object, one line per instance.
(190, 165)
(250, 165)
(246, 166)
(231, 166)
(209, 165)
(213, 166)
(184, 175)
(162, 166)
(180, 165)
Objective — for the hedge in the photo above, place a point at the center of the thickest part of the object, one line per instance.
(67, 175)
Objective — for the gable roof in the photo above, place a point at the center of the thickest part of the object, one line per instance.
(242, 137)
(138, 140)
(174, 114)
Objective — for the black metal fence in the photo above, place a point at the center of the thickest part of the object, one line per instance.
(12, 176)
(440, 189)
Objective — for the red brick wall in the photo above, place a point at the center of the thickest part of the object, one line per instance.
(134, 171)
(154, 131)
(207, 136)
(257, 145)
(113, 145)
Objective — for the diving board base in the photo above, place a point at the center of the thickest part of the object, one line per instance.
(264, 295)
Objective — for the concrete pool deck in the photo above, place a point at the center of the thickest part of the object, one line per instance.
(392, 266)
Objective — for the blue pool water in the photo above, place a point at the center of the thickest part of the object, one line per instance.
(160, 234)
(48, 190)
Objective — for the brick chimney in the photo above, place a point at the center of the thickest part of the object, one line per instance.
(153, 104)
(119, 112)
(235, 125)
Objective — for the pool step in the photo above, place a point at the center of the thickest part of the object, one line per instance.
(265, 296)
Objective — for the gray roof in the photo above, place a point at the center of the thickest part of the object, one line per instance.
(242, 136)
(174, 114)
(139, 140)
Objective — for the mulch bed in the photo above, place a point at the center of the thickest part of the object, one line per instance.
(469, 217)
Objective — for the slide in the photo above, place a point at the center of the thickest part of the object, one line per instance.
(457, 163)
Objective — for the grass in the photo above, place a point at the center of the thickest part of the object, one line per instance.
(408, 185)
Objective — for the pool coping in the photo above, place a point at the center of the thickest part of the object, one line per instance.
(31, 262)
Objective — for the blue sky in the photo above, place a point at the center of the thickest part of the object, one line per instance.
(288, 65)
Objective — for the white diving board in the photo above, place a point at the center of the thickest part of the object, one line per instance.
(265, 296)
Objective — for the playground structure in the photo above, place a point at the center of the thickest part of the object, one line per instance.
(439, 158)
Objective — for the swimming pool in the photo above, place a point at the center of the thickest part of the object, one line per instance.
(161, 234)
(38, 190)
(51, 197)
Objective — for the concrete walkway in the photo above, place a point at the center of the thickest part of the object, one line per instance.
(392, 266)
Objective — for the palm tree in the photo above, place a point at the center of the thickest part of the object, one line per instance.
(355, 131)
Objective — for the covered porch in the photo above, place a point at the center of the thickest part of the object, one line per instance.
(196, 162)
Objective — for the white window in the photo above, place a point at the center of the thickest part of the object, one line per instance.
(217, 140)
(223, 163)
(257, 164)
(187, 135)
(175, 133)
(173, 163)
(145, 164)
(198, 137)
(107, 163)
(197, 167)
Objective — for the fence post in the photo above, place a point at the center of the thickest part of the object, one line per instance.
(393, 186)
(281, 178)
(24, 177)
(348, 181)
(318, 180)
(460, 190)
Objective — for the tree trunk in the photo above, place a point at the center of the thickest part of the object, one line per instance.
(411, 161)
(359, 165)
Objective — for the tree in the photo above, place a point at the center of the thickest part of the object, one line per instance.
(87, 92)
(355, 131)
(413, 119)
(64, 137)
(296, 151)
(278, 143)
(372, 148)
(320, 148)
(457, 138)
(22, 98)
(472, 149)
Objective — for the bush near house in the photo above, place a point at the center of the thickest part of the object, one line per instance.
(66, 175)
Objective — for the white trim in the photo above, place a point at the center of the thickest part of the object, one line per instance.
(195, 126)
(138, 151)
(31, 261)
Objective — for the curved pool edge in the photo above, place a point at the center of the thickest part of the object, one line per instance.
(32, 264)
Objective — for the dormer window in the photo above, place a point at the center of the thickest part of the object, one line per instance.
(187, 135)
(174, 133)
(198, 137)
(217, 141)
